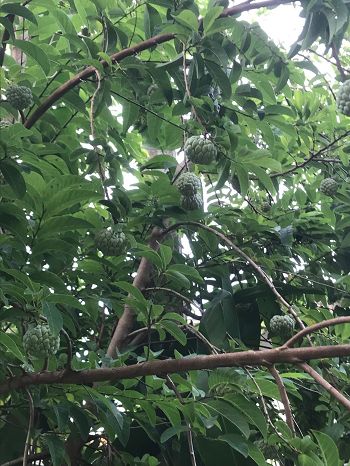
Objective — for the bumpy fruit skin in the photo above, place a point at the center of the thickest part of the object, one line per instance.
(20, 97)
(191, 202)
(343, 98)
(188, 184)
(265, 207)
(282, 326)
(111, 243)
(199, 150)
(39, 341)
(329, 186)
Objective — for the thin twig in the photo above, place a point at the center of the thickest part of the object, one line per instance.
(313, 328)
(30, 428)
(189, 427)
(242, 254)
(69, 349)
(187, 87)
(179, 295)
(92, 103)
(326, 385)
(337, 61)
(284, 397)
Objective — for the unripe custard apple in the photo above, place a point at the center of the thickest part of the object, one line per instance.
(19, 97)
(329, 186)
(40, 342)
(282, 326)
(111, 242)
(188, 184)
(191, 202)
(343, 98)
(200, 150)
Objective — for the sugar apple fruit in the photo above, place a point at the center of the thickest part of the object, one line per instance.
(199, 150)
(188, 184)
(111, 242)
(20, 97)
(343, 98)
(40, 342)
(329, 186)
(265, 207)
(282, 326)
(191, 202)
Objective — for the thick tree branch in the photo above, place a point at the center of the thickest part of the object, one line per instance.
(313, 328)
(326, 385)
(171, 366)
(284, 397)
(141, 280)
(141, 46)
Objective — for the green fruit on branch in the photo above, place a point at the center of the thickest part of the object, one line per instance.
(40, 342)
(111, 242)
(265, 207)
(343, 98)
(199, 150)
(188, 184)
(329, 186)
(19, 97)
(191, 202)
(282, 326)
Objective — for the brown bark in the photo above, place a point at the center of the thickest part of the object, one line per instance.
(141, 281)
(171, 366)
(117, 57)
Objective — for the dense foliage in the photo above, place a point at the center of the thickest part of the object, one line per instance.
(91, 177)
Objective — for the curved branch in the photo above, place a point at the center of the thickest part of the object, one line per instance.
(171, 366)
(30, 428)
(313, 328)
(284, 397)
(311, 157)
(242, 254)
(179, 295)
(141, 280)
(141, 46)
(326, 385)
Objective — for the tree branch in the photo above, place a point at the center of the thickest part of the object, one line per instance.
(313, 328)
(242, 254)
(284, 397)
(311, 157)
(31, 459)
(141, 280)
(326, 385)
(141, 46)
(5, 38)
(170, 366)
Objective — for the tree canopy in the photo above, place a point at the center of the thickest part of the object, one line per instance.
(174, 234)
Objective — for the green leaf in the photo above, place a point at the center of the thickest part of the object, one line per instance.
(227, 411)
(220, 78)
(236, 442)
(35, 52)
(188, 19)
(56, 448)
(187, 271)
(54, 317)
(174, 330)
(210, 17)
(10, 345)
(328, 449)
(18, 10)
(13, 177)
